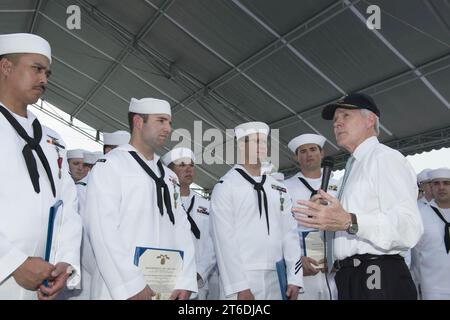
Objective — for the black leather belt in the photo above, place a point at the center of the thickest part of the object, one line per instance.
(357, 259)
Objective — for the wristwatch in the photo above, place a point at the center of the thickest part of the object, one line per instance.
(353, 227)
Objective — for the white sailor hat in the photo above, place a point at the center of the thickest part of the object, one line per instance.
(149, 106)
(305, 139)
(116, 138)
(422, 177)
(176, 154)
(248, 128)
(75, 154)
(91, 157)
(24, 43)
(441, 173)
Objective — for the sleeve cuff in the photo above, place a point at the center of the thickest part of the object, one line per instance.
(293, 278)
(74, 281)
(365, 223)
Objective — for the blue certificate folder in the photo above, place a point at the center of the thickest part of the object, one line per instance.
(140, 251)
(282, 278)
(51, 223)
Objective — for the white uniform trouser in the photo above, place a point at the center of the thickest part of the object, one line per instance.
(263, 284)
(88, 266)
(213, 285)
(208, 290)
(85, 292)
(202, 291)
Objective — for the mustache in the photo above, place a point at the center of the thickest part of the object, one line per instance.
(41, 87)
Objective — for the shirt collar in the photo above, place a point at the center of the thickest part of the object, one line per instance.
(298, 174)
(365, 147)
(30, 115)
(433, 204)
(128, 147)
(238, 166)
(301, 175)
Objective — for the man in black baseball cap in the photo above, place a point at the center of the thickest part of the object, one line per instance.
(374, 220)
(352, 101)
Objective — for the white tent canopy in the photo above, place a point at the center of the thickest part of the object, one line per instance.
(227, 62)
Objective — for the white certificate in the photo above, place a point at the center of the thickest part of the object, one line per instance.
(161, 268)
(313, 247)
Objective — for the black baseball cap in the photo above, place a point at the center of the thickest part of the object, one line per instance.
(352, 101)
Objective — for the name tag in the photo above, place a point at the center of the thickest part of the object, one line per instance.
(278, 188)
(202, 210)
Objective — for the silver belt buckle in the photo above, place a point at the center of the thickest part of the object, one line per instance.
(356, 262)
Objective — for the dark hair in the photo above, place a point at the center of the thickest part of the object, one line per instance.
(13, 57)
(131, 116)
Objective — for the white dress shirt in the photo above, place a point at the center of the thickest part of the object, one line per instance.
(381, 191)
